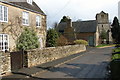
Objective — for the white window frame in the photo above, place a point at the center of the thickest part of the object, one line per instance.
(4, 38)
(38, 21)
(30, 1)
(25, 18)
(3, 13)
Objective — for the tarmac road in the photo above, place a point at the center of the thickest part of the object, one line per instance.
(91, 64)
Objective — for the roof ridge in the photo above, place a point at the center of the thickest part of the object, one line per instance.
(23, 7)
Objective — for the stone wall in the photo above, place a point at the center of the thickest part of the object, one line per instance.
(5, 64)
(36, 57)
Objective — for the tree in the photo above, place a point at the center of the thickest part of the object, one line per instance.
(116, 30)
(52, 37)
(103, 34)
(27, 40)
(55, 24)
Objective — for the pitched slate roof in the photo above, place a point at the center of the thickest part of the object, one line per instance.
(81, 26)
(24, 5)
(62, 26)
(85, 26)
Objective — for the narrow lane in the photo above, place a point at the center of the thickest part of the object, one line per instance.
(92, 64)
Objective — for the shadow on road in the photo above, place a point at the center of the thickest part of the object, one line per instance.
(82, 70)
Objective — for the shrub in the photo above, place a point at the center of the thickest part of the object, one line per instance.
(52, 37)
(115, 69)
(27, 40)
(81, 42)
(116, 49)
(62, 41)
(103, 34)
(116, 56)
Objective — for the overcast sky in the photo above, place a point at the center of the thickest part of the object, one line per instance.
(77, 9)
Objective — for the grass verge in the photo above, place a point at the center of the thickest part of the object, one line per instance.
(116, 56)
(104, 45)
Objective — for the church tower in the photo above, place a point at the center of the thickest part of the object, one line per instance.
(103, 24)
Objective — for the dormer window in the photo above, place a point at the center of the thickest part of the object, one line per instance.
(30, 1)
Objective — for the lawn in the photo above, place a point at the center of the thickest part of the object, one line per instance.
(104, 45)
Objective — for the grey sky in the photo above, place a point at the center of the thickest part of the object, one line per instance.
(77, 9)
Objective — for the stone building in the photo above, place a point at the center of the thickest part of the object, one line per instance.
(15, 16)
(103, 24)
(69, 31)
(87, 30)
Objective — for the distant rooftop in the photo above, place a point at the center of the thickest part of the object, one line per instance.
(81, 26)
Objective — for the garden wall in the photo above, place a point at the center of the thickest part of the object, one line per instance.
(5, 64)
(37, 56)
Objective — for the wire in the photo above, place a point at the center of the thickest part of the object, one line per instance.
(62, 8)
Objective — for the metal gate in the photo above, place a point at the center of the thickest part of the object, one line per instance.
(17, 60)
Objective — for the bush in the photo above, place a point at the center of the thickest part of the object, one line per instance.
(81, 42)
(115, 69)
(115, 56)
(62, 41)
(116, 49)
(52, 37)
(27, 40)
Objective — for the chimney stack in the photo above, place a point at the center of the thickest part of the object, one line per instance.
(69, 23)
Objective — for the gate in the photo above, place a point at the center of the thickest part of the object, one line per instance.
(17, 60)
(91, 40)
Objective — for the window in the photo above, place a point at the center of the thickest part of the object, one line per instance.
(25, 18)
(102, 26)
(30, 1)
(3, 13)
(4, 43)
(102, 16)
(38, 20)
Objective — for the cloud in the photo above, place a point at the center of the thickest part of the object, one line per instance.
(76, 9)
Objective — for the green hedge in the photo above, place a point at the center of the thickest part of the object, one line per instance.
(115, 69)
(81, 42)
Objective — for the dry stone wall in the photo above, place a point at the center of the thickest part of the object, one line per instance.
(35, 57)
(39, 56)
(5, 64)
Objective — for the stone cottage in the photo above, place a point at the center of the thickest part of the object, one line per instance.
(15, 15)
(87, 30)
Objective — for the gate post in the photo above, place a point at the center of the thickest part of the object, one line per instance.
(25, 59)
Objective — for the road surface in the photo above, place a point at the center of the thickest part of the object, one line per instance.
(91, 64)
